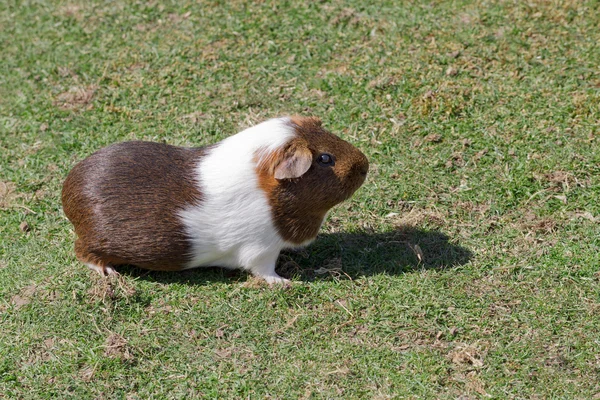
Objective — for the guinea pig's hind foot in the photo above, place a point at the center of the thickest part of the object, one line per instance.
(106, 270)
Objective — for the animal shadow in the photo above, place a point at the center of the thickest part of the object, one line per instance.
(351, 255)
(346, 255)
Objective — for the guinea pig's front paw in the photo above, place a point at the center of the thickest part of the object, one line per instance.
(276, 279)
(266, 271)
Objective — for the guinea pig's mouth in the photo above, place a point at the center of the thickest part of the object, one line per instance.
(362, 176)
(354, 184)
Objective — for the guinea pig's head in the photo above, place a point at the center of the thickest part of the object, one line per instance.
(309, 174)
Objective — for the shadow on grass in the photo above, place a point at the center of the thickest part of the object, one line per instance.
(351, 255)
(341, 256)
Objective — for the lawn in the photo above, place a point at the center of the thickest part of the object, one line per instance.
(467, 266)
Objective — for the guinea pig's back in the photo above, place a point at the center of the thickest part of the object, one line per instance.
(124, 201)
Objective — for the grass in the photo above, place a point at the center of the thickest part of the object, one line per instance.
(467, 265)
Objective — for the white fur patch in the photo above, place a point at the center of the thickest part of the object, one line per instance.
(232, 226)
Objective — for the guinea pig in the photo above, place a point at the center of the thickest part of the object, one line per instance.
(234, 204)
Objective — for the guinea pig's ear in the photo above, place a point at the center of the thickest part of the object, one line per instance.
(296, 161)
(306, 122)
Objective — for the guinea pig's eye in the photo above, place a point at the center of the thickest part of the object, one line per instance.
(326, 160)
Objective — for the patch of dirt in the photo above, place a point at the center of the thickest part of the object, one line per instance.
(403, 340)
(433, 138)
(71, 11)
(346, 16)
(40, 353)
(477, 156)
(545, 225)
(50, 295)
(63, 72)
(468, 18)
(195, 117)
(223, 353)
(475, 384)
(557, 361)
(101, 290)
(146, 27)
(162, 307)
(533, 224)
(558, 181)
(220, 332)
(455, 160)
(19, 301)
(24, 297)
(86, 373)
(116, 346)
(211, 51)
(466, 356)
(76, 98)
(109, 288)
(584, 215)
(176, 18)
(419, 217)
(381, 83)
(317, 93)
(451, 71)
(8, 194)
(24, 227)
(478, 210)
(49, 343)
(41, 194)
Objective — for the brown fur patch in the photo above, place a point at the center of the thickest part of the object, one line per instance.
(300, 205)
(123, 202)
